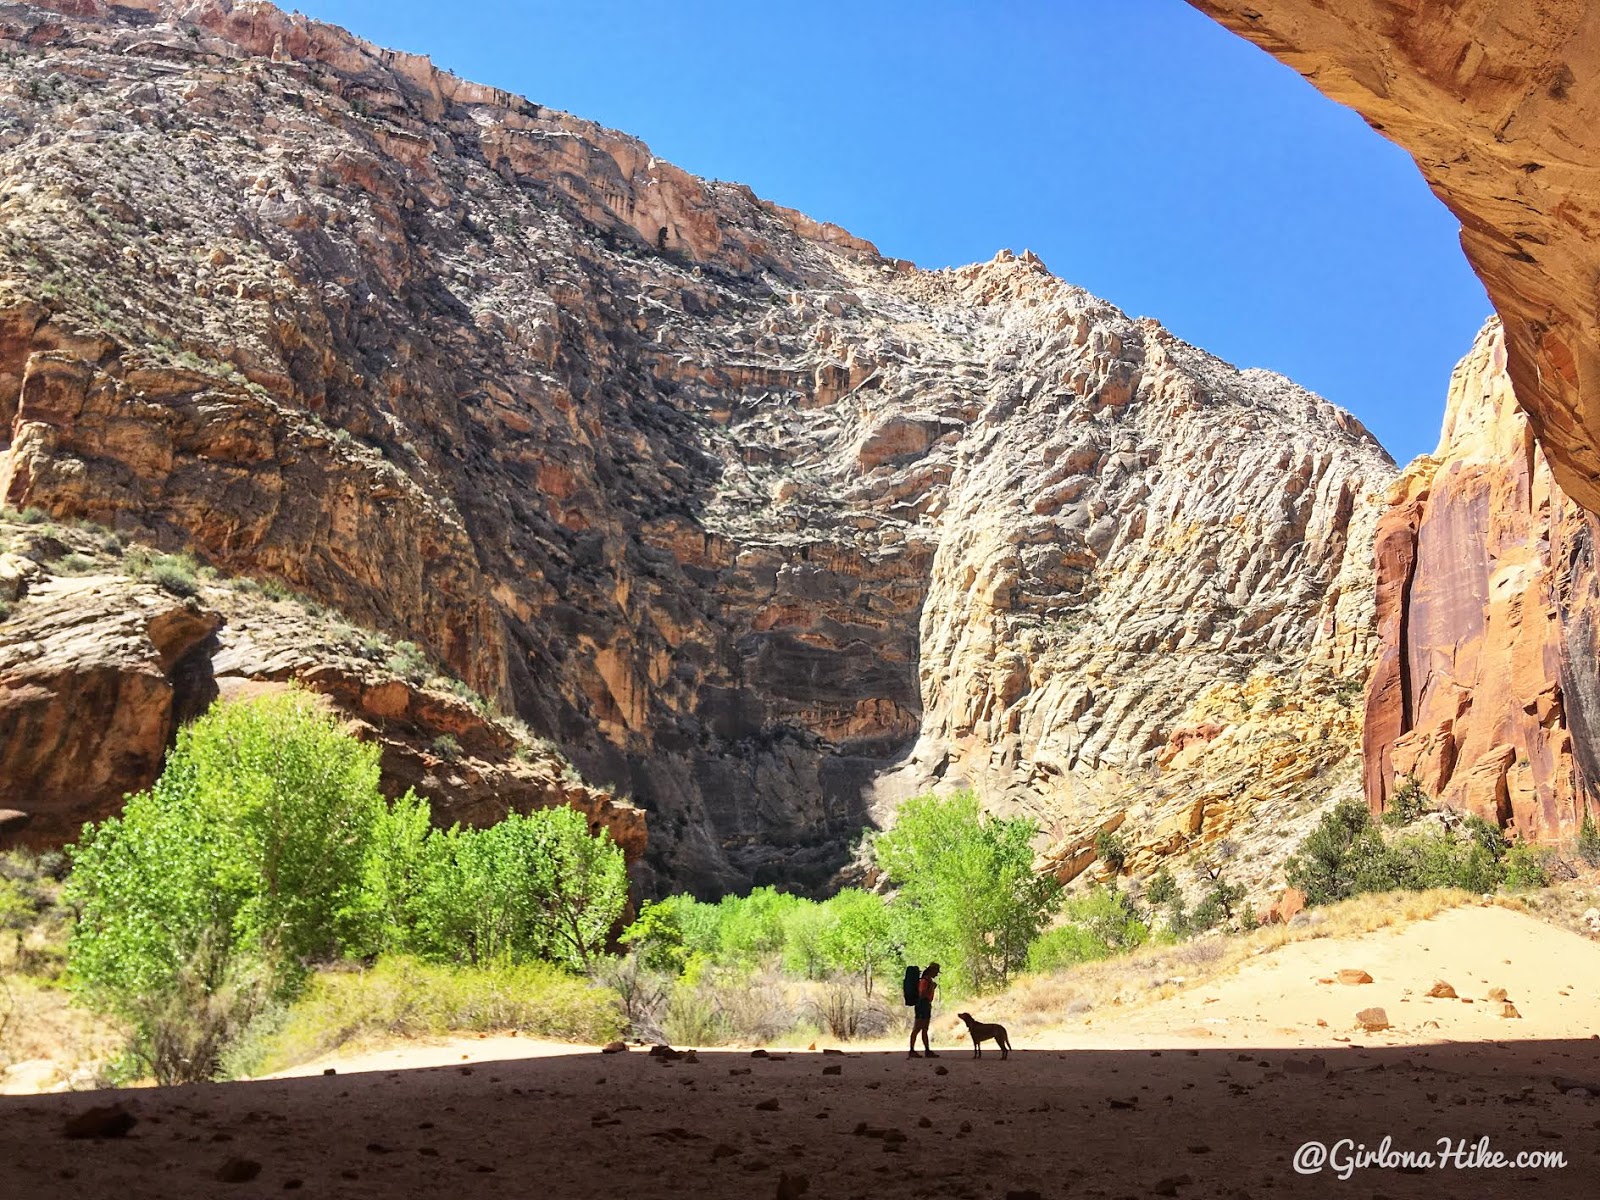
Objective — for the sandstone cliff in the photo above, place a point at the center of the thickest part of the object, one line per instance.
(1485, 587)
(762, 527)
(101, 659)
(1499, 103)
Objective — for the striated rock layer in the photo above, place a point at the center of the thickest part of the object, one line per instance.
(1499, 103)
(99, 665)
(1485, 597)
(762, 527)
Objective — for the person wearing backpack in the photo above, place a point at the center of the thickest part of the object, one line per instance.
(919, 994)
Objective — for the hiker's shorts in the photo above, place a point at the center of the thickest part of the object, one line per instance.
(923, 1010)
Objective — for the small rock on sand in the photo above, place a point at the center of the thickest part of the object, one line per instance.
(1442, 990)
(238, 1170)
(1372, 1019)
(1354, 976)
(614, 1048)
(105, 1121)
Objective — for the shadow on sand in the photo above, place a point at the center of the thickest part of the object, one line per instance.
(1181, 1122)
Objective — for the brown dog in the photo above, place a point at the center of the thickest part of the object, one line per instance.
(986, 1033)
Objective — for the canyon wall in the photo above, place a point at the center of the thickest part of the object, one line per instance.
(761, 527)
(1485, 594)
(1499, 103)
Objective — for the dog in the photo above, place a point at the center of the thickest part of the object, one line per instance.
(986, 1033)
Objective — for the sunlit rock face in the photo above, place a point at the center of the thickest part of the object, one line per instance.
(762, 527)
(1485, 685)
(1499, 103)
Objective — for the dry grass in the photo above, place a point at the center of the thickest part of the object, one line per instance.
(402, 997)
(45, 1025)
(1155, 972)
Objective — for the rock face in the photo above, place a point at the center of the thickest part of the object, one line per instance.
(1485, 591)
(1499, 103)
(98, 666)
(765, 529)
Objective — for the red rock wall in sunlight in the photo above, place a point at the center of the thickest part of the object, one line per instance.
(1484, 596)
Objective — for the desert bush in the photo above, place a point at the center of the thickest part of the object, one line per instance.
(1217, 906)
(847, 1012)
(1407, 804)
(1326, 863)
(694, 1017)
(1162, 889)
(409, 662)
(1527, 867)
(642, 992)
(1346, 855)
(1589, 840)
(74, 564)
(1111, 849)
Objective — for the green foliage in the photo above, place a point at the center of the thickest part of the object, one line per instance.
(409, 662)
(1216, 906)
(968, 895)
(859, 936)
(1589, 840)
(1111, 849)
(175, 573)
(1325, 865)
(75, 564)
(1347, 855)
(1407, 804)
(1101, 923)
(213, 891)
(1527, 867)
(403, 996)
(531, 886)
(446, 747)
(1162, 889)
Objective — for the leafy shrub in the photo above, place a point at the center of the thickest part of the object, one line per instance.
(33, 516)
(1162, 889)
(531, 886)
(409, 662)
(858, 938)
(1098, 924)
(1325, 865)
(1216, 906)
(1527, 867)
(1589, 840)
(1407, 804)
(446, 747)
(1111, 849)
(212, 892)
(1346, 855)
(968, 895)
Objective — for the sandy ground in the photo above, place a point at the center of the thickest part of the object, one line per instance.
(1207, 1094)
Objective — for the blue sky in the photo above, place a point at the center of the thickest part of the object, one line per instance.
(1141, 150)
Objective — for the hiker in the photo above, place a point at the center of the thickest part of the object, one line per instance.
(922, 1010)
